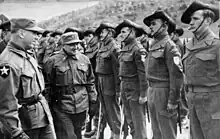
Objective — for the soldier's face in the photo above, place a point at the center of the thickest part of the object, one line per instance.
(155, 26)
(196, 20)
(30, 39)
(88, 38)
(125, 33)
(103, 34)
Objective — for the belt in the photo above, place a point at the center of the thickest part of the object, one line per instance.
(159, 84)
(203, 89)
(31, 100)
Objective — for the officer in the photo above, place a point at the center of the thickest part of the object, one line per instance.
(164, 73)
(108, 81)
(23, 110)
(133, 80)
(93, 44)
(72, 87)
(202, 74)
(5, 35)
(175, 37)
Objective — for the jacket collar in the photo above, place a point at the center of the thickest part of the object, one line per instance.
(205, 40)
(129, 46)
(105, 45)
(160, 43)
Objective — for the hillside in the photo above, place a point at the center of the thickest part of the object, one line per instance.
(116, 11)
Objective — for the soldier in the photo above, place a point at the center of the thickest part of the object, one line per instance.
(175, 37)
(108, 81)
(23, 111)
(93, 44)
(133, 80)
(164, 74)
(73, 91)
(5, 35)
(202, 74)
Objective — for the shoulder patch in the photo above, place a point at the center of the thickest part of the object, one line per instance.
(4, 71)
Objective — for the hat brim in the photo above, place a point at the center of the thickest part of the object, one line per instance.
(73, 41)
(195, 6)
(160, 15)
(101, 27)
(140, 31)
(36, 29)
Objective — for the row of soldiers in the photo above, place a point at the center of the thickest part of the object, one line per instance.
(114, 84)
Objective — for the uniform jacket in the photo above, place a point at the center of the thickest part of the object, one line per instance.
(180, 46)
(107, 64)
(164, 66)
(202, 61)
(21, 82)
(71, 80)
(131, 69)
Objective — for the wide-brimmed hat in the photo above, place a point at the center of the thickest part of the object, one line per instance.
(128, 23)
(159, 14)
(56, 32)
(44, 34)
(88, 31)
(179, 31)
(70, 38)
(195, 6)
(104, 26)
(75, 29)
(26, 24)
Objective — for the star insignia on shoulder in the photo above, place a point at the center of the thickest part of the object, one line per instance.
(4, 71)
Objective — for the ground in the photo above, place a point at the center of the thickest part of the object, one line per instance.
(184, 135)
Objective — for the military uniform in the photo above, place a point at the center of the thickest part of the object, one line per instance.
(22, 81)
(164, 73)
(72, 90)
(108, 81)
(133, 82)
(202, 79)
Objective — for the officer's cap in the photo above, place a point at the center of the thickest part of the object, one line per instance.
(102, 26)
(129, 23)
(90, 30)
(26, 24)
(195, 6)
(179, 31)
(6, 26)
(70, 38)
(159, 14)
(75, 29)
(56, 32)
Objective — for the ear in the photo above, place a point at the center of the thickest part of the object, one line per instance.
(209, 20)
(21, 33)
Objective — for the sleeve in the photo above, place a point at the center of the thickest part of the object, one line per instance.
(49, 76)
(90, 86)
(115, 66)
(175, 69)
(9, 86)
(140, 56)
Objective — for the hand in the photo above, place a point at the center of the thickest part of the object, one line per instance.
(22, 135)
(171, 107)
(93, 108)
(142, 100)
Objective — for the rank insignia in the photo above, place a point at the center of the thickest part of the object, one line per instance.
(4, 71)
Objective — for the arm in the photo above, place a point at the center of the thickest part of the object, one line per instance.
(139, 61)
(90, 86)
(115, 66)
(9, 87)
(175, 69)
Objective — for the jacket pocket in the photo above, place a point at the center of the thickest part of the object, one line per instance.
(62, 74)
